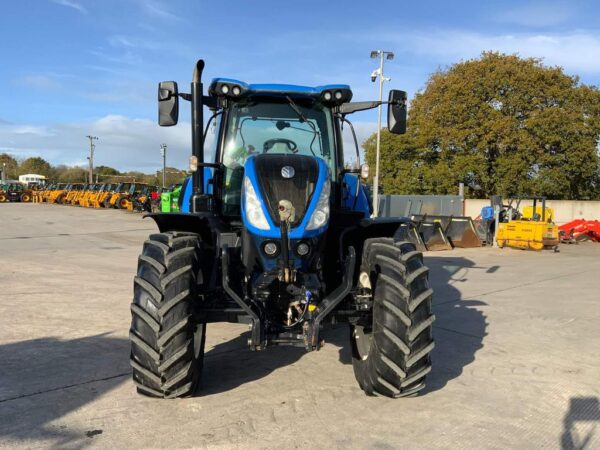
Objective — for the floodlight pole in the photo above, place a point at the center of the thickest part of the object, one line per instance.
(163, 153)
(381, 54)
(91, 158)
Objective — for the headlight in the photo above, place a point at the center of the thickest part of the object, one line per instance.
(270, 248)
(302, 249)
(320, 215)
(254, 212)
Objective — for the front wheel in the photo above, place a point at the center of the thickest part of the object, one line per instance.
(167, 344)
(391, 346)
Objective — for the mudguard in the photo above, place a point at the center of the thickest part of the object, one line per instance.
(206, 225)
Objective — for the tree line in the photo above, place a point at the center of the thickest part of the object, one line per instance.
(74, 174)
(500, 124)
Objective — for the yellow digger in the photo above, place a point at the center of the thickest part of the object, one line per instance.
(121, 190)
(534, 229)
(85, 198)
(105, 192)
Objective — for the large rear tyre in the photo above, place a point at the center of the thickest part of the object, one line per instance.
(391, 346)
(167, 346)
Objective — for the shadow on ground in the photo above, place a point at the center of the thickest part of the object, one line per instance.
(232, 364)
(583, 413)
(42, 380)
(459, 332)
(460, 327)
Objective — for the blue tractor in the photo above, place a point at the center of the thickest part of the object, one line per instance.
(277, 232)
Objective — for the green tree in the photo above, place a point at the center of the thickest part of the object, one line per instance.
(173, 176)
(11, 165)
(73, 175)
(502, 125)
(35, 165)
(105, 170)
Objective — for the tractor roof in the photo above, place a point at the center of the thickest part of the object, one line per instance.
(216, 89)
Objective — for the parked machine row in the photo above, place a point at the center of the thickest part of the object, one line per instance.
(137, 197)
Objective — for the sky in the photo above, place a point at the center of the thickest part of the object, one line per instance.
(72, 68)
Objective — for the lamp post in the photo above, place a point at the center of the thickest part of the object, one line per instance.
(3, 172)
(91, 158)
(378, 73)
(163, 153)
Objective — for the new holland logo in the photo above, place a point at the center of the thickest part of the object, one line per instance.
(287, 172)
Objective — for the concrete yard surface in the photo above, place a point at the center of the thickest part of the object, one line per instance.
(516, 362)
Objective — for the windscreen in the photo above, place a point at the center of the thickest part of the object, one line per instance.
(285, 127)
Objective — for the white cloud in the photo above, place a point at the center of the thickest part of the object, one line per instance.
(71, 4)
(576, 52)
(125, 143)
(157, 10)
(537, 14)
(44, 82)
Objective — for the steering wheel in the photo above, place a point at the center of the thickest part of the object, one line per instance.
(291, 145)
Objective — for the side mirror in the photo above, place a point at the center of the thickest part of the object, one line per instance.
(168, 103)
(396, 118)
(364, 171)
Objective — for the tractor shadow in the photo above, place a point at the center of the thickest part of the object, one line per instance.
(460, 326)
(580, 423)
(45, 379)
(231, 364)
(459, 331)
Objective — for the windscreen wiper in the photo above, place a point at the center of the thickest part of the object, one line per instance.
(303, 119)
(296, 109)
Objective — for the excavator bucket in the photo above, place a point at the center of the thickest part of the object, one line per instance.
(432, 233)
(462, 233)
(459, 231)
(409, 232)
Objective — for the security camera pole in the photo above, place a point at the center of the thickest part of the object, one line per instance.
(382, 54)
(163, 153)
(91, 157)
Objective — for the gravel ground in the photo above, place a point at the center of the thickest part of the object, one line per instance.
(516, 364)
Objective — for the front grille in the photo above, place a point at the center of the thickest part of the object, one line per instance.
(297, 189)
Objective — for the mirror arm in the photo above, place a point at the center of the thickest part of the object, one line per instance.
(350, 108)
(211, 102)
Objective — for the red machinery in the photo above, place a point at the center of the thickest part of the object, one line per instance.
(580, 230)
